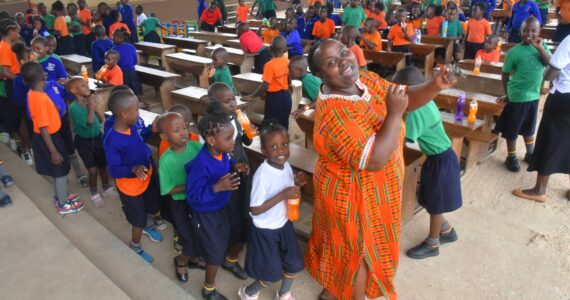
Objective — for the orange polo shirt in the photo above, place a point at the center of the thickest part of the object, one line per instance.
(373, 37)
(416, 23)
(61, 26)
(84, 16)
(276, 74)
(493, 56)
(433, 25)
(380, 18)
(43, 112)
(477, 30)
(269, 35)
(359, 55)
(324, 30)
(242, 12)
(116, 26)
(564, 6)
(8, 58)
(396, 35)
(114, 76)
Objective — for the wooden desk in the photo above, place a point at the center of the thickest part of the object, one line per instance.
(163, 82)
(213, 37)
(489, 83)
(237, 44)
(500, 14)
(458, 130)
(547, 33)
(388, 60)
(156, 49)
(423, 53)
(493, 68)
(446, 43)
(487, 105)
(233, 29)
(245, 61)
(73, 63)
(196, 65)
(102, 95)
(196, 99)
(185, 43)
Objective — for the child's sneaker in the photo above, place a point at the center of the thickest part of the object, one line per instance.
(27, 157)
(7, 180)
(5, 201)
(448, 237)
(144, 255)
(70, 207)
(286, 296)
(70, 198)
(512, 164)
(153, 234)
(160, 224)
(13, 145)
(423, 250)
(97, 200)
(111, 192)
(244, 296)
(83, 181)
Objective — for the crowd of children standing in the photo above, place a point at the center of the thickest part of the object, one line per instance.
(214, 201)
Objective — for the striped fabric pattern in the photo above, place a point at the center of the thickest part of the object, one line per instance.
(357, 212)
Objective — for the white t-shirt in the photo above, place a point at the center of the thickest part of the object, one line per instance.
(140, 19)
(268, 182)
(561, 60)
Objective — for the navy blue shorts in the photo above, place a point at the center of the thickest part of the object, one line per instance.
(278, 107)
(152, 37)
(80, 45)
(213, 234)
(517, 118)
(260, 60)
(471, 49)
(42, 156)
(136, 208)
(270, 252)
(67, 135)
(181, 218)
(11, 112)
(440, 184)
(91, 151)
(239, 211)
(131, 79)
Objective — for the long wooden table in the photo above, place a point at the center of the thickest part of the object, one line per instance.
(245, 61)
(423, 53)
(74, 62)
(196, 99)
(213, 37)
(457, 131)
(185, 43)
(446, 43)
(493, 68)
(196, 65)
(489, 83)
(163, 82)
(388, 60)
(156, 49)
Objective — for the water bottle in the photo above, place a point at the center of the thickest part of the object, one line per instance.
(459, 115)
(477, 68)
(444, 28)
(418, 36)
(473, 107)
(84, 73)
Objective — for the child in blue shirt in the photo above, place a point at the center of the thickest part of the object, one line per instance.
(208, 190)
(294, 45)
(99, 47)
(52, 66)
(127, 62)
(521, 10)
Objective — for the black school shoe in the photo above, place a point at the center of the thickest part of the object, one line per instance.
(5, 201)
(512, 164)
(236, 270)
(527, 158)
(449, 237)
(213, 295)
(423, 250)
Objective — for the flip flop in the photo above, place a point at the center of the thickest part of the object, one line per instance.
(538, 198)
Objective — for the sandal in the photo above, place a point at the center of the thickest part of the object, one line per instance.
(538, 198)
(181, 276)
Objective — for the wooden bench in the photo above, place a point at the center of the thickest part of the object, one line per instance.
(213, 37)
(185, 43)
(196, 99)
(196, 65)
(156, 49)
(247, 83)
(101, 94)
(163, 82)
(245, 61)
(74, 62)
(493, 68)
(490, 83)
(142, 59)
(446, 43)
(389, 60)
(233, 29)
(423, 53)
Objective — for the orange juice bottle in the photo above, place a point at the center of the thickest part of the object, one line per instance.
(84, 73)
(293, 209)
(473, 106)
(245, 124)
(101, 72)
(499, 45)
(476, 70)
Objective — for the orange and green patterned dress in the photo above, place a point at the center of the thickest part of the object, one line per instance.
(357, 212)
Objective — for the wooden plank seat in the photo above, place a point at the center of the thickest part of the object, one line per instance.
(162, 81)
(213, 37)
(196, 98)
(185, 43)
(156, 49)
(490, 83)
(422, 53)
(389, 60)
(183, 63)
(73, 63)
(446, 43)
(493, 68)
(458, 130)
(245, 61)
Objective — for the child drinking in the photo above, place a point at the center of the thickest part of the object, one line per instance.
(273, 253)
(209, 185)
(130, 164)
(522, 78)
(112, 74)
(99, 47)
(440, 186)
(87, 129)
(371, 38)
(50, 150)
(276, 83)
(172, 177)
(490, 54)
(477, 29)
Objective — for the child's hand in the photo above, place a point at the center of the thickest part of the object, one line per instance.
(292, 192)
(247, 98)
(297, 113)
(155, 128)
(140, 171)
(242, 168)
(503, 100)
(228, 182)
(396, 100)
(211, 71)
(537, 43)
(91, 102)
(442, 79)
(56, 158)
(301, 179)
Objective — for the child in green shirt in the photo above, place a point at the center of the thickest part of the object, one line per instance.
(522, 79)
(222, 71)
(440, 186)
(353, 15)
(76, 31)
(454, 30)
(148, 27)
(311, 84)
(172, 176)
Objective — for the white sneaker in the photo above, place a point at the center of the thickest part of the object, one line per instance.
(27, 157)
(244, 296)
(111, 192)
(97, 200)
(13, 145)
(286, 296)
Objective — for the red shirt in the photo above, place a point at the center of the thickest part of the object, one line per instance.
(250, 42)
(211, 17)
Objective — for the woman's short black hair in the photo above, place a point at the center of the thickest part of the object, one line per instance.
(314, 67)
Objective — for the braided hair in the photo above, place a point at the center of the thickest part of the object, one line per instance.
(270, 126)
(210, 124)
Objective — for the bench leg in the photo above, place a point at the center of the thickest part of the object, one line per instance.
(410, 186)
(165, 88)
(203, 79)
(475, 151)
(143, 59)
(429, 61)
(247, 65)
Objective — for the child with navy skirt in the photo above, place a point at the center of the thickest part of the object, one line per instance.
(273, 253)
(440, 185)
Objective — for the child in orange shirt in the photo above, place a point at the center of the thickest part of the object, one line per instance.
(348, 38)
(272, 32)
(210, 18)
(490, 54)
(324, 28)
(276, 82)
(242, 11)
(433, 22)
(113, 75)
(186, 114)
(401, 35)
(118, 19)
(50, 149)
(379, 15)
(416, 18)
(477, 29)
(65, 41)
(371, 38)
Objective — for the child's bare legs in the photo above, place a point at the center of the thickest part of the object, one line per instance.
(512, 162)
(210, 278)
(92, 174)
(77, 169)
(234, 251)
(136, 235)
(104, 178)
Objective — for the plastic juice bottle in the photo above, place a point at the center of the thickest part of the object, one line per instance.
(424, 23)
(444, 28)
(459, 115)
(477, 68)
(293, 209)
(473, 106)
(101, 72)
(418, 36)
(84, 73)
(245, 124)
(499, 45)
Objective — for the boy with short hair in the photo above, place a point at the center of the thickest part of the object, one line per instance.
(324, 28)
(477, 29)
(311, 84)
(52, 45)
(130, 164)
(85, 18)
(294, 44)
(48, 18)
(99, 47)
(401, 35)
(371, 38)
(113, 75)
(252, 43)
(61, 29)
(222, 71)
(490, 54)
(522, 79)
(242, 11)
(348, 37)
